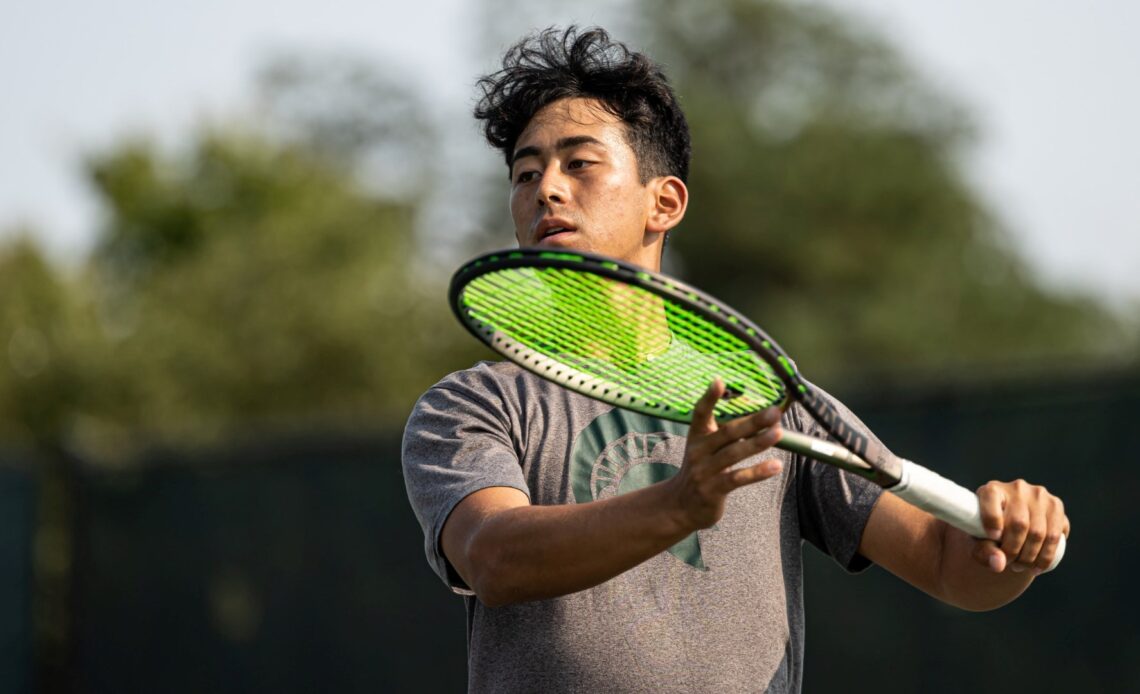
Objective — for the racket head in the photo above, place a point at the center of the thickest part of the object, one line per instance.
(621, 334)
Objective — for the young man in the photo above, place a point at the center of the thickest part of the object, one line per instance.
(603, 550)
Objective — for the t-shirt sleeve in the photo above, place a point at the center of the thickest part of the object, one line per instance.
(457, 441)
(833, 504)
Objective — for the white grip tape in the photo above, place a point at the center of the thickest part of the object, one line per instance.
(947, 501)
(940, 497)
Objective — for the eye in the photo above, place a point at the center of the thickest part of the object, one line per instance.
(577, 164)
(525, 176)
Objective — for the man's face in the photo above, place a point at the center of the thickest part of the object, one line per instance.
(575, 184)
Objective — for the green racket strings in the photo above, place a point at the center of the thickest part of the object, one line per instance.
(632, 342)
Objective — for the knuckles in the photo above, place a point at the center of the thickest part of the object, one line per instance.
(1027, 514)
(989, 491)
(1018, 490)
(1017, 524)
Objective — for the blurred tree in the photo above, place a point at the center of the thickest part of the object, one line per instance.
(247, 283)
(828, 200)
(39, 382)
(341, 108)
(252, 278)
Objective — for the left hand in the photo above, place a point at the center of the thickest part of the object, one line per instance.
(1024, 523)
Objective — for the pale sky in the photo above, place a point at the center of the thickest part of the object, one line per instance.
(1052, 85)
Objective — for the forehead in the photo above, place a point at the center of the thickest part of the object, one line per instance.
(568, 117)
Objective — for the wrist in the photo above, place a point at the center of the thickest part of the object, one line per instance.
(676, 519)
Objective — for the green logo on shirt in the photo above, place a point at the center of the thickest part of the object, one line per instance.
(622, 451)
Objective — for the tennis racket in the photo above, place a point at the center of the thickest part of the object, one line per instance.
(649, 343)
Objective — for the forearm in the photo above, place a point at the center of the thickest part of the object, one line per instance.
(508, 550)
(967, 583)
(534, 552)
(936, 558)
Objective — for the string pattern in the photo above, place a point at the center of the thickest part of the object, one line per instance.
(616, 341)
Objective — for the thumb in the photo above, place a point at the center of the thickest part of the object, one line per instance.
(987, 553)
(704, 420)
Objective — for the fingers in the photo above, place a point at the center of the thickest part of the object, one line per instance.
(1057, 526)
(1024, 524)
(704, 419)
(738, 440)
(741, 449)
(1037, 527)
(707, 436)
(991, 502)
(708, 473)
(730, 432)
(734, 479)
(1018, 519)
(706, 456)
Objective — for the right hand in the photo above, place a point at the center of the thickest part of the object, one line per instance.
(712, 449)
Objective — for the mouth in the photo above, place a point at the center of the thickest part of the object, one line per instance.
(551, 231)
(556, 231)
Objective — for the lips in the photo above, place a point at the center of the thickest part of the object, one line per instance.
(552, 227)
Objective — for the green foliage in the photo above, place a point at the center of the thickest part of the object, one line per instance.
(251, 279)
(248, 284)
(828, 203)
(40, 383)
(347, 112)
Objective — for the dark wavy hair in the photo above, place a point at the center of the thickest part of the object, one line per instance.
(551, 65)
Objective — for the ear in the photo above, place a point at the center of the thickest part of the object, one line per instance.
(669, 200)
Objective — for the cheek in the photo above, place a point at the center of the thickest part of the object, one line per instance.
(622, 203)
(512, 202)
(518, 213)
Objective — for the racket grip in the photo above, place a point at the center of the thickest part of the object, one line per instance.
(948, 501)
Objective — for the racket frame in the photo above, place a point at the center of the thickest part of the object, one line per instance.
(856, 453)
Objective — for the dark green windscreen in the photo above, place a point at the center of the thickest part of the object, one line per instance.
(616, 342)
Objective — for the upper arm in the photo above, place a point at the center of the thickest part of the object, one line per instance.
(457, 442)
(906, 541)
(464, 522)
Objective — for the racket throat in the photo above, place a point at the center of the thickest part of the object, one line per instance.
(836, 455)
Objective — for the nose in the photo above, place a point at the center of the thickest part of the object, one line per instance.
(552, 189)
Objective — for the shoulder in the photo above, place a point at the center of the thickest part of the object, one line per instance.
(486, 381)
(797, 417)
(472, 407)
(500, 387)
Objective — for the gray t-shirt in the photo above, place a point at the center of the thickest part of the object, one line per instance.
(721, 611)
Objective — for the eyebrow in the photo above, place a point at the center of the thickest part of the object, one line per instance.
(564, 143)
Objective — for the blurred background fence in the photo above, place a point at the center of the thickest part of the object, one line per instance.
(18, 495)
(289, 565)
(294, 564)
